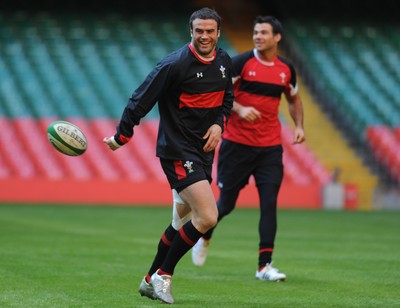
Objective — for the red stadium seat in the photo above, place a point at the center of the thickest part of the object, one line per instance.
(304, 158)
(124, 159)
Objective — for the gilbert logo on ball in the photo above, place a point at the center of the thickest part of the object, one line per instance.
(67, 138)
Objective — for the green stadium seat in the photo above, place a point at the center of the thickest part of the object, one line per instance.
(11, 102)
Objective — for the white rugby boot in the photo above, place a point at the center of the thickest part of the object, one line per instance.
(269, 273)
(162, 287)
(200, 251)
(146, 289)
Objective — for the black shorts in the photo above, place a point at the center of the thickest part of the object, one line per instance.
(237, 162)
(183, 173)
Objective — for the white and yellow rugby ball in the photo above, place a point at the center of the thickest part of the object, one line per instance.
(67, 138)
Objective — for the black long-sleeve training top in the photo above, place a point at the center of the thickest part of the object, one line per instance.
(192, 95)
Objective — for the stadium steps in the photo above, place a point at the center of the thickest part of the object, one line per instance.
(332, 150)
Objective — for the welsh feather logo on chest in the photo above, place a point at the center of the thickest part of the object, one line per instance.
(267, 76)
(283, 77)
(222, 69)
(209, 74)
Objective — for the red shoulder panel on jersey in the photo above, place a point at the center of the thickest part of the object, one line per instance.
(203, 100)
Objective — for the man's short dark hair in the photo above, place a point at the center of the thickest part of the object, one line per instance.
(274, 22)
(205, 13)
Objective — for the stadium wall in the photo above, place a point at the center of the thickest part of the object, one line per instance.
(151, 193)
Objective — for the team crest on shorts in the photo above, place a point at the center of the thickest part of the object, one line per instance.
(189, 166)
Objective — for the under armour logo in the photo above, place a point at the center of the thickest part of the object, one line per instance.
(252, 73)
(199, 75)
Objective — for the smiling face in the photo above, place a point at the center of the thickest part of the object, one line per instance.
(264, 38)
(205, 35)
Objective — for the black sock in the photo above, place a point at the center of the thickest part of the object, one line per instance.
(264, 256)
(207, 236)
(163, 247)
(183, 241)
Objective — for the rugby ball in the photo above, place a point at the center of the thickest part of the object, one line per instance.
(67, 138)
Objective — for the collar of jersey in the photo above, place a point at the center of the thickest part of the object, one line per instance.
(200, 58)
(268, 63)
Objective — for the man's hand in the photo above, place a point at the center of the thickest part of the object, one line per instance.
(299, 136)
(110, 141)
(249, 114)
(213, 136)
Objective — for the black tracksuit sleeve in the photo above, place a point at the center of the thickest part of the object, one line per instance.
(141, 102)
(223, 118)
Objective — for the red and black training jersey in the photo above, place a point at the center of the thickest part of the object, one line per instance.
(192, 95)
(260, 85)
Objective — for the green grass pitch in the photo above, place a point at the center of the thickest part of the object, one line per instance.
(88, 256)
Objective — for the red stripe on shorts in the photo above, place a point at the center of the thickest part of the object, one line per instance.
(179, 170)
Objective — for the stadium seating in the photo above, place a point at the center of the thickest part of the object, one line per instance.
(385, 144)
(357, 76)
(347, 65)
(81, 68)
